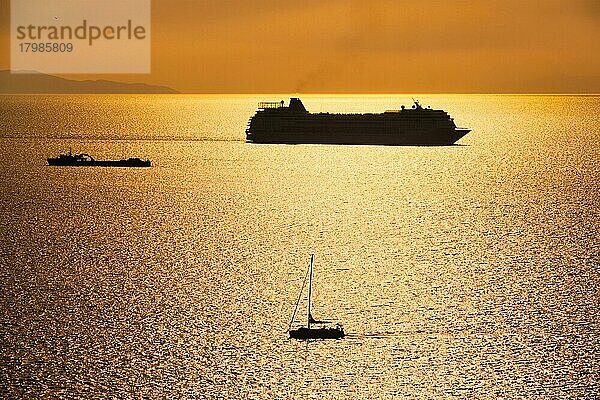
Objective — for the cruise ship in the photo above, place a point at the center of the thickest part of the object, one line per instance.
(415, 126)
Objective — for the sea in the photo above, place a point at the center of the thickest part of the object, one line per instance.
(469, 271)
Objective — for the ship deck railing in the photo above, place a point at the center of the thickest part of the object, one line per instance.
(269, 104)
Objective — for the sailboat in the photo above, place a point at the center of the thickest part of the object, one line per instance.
(321, 331)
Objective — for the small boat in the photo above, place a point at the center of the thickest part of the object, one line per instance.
(85, 160)
(322, 330)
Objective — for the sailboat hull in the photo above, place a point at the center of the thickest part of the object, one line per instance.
(316, 333)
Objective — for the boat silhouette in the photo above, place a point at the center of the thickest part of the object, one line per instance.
(85, 160)
(273, 122)
(322, 331)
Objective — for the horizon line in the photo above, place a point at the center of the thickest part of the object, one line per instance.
(319, 94)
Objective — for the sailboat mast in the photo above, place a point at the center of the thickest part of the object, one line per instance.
(312, 256)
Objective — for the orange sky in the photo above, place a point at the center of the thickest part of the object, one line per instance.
(347, 46)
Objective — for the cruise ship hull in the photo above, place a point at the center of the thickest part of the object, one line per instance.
(402, 138)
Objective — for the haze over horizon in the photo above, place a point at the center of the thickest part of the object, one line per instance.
(384, 46)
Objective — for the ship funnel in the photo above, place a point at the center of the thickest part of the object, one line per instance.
(296, 105)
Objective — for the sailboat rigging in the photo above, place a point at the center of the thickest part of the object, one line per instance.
(308, 332)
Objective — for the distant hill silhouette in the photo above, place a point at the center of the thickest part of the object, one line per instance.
(42, 83)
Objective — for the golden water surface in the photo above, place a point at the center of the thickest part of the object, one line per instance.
(467, 271)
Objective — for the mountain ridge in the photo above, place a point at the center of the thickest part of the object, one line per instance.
(38, 83)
